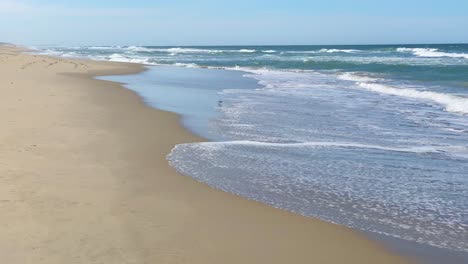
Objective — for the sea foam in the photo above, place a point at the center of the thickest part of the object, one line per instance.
(432, 53)
(121, 58)
(338, 50)
(452, 103)
(247, 50)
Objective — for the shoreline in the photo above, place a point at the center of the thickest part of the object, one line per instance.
(124, 204)
(155, 78)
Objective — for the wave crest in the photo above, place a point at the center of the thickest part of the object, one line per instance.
(247, 50)
(338, 51)
(432, 53)
(452, 103)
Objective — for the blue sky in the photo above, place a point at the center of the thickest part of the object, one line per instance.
(209, 22)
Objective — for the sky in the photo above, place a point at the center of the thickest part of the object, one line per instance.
(241, 22)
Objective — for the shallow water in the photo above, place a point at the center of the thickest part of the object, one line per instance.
(190, 92)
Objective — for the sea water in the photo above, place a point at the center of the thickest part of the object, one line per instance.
(371, 137)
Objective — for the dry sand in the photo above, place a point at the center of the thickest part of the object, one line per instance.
(83, 179)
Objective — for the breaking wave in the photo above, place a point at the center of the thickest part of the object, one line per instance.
(432, 53)
(452, 103)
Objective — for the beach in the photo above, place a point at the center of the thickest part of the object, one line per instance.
(84, 179)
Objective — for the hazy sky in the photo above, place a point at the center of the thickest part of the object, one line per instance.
(210, 22)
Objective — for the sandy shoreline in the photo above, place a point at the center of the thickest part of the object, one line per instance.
(84, 179)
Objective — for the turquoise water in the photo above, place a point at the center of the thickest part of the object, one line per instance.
(371, 137)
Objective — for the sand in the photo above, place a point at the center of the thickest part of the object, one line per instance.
(84, 179)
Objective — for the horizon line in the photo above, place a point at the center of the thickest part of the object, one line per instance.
(237, 45)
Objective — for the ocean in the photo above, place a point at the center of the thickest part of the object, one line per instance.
(370, 137)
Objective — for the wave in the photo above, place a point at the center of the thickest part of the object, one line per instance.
(338, 51)
(323, 51)
(432, 53)
(120, 58)
(272, 78)
(356, 78)
(452, 103)
(269, 51)
(189, 50)
(368, 60)
(174, 50)
(102, 47)
(139, 49)
(198, 50)
(318, 144)
(186, 65)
